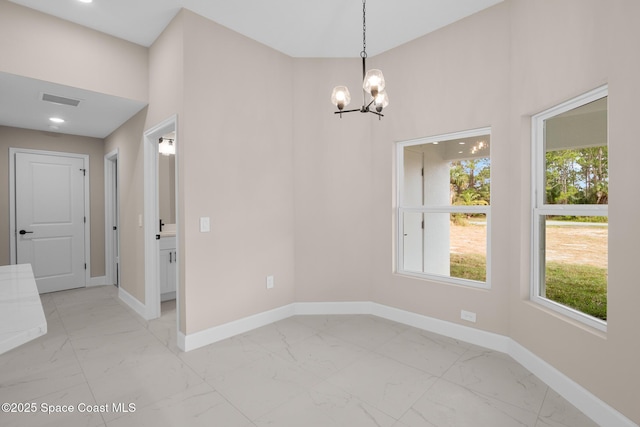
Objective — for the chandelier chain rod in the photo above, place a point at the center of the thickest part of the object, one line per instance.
(364, 29)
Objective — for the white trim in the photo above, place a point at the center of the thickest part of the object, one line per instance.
(581, 398)
(132, 302)
(453, 330)
(237, 327)
(87, 205)
(447, 136)
(97, 281)
(151, 253)
(151, 263)
(539, 209)
(578, 396)
(181, 338)
(110, 193)
(401, 208)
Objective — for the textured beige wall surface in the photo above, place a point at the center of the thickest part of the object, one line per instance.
(497, 68)
(166, 88)
(128, 141)
(333, 184)
(43, 47)
(22, 138)
(580, 45)
(236, 167)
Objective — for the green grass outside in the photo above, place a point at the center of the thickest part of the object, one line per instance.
(581, 287)
(468, 266)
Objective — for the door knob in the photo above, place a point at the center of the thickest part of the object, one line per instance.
(23, 232)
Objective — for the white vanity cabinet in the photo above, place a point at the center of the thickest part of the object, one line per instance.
(168, 262)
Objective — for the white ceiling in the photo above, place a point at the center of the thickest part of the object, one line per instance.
(97, 115)
(298, 28)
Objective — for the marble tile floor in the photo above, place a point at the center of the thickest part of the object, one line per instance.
(306, 371)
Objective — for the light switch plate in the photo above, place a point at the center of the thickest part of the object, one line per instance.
(205, 224)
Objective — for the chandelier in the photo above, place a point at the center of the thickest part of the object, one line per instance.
(372, 83)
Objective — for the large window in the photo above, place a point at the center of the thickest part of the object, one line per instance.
(570, 208)
(444, 202)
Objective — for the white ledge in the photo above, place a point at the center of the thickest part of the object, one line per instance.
(21, 315)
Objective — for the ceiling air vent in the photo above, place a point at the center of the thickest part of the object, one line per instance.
(60, 100)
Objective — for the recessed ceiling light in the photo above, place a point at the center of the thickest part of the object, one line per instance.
(461, 143)
(56, 119)
(85, 1)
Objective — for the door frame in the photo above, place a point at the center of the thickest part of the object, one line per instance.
(12, 202)
(111, 214)
(151, 217)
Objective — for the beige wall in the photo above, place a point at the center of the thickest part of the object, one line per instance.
(69, 54)
(128, 141)
(582, 45)
(236, 167)
(497, 68)
(166, 92)
(452, 80)
(36, 140)
(333, 184)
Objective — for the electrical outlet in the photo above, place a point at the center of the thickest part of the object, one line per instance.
(270, 282)
(469, 316)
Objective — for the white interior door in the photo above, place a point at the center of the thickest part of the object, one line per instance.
(50, 217)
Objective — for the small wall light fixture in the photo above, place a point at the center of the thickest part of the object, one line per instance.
(166, 147)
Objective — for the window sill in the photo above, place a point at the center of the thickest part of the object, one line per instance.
(445, 279)
(569, 314)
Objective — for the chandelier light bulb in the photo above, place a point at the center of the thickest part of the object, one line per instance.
(340, 97)
(381, 101)
(373, 82)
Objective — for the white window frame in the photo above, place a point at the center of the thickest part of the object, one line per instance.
(540, 209)
(402, 208)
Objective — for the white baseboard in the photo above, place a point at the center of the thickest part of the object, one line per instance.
(132, 302)
(237, 327)
(167, 296)
(585, 401)
(578, 396)
(97, 281)
(467, 334)
(182, 338)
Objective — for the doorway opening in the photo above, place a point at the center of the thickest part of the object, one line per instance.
(112, 219)
(161, 232)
